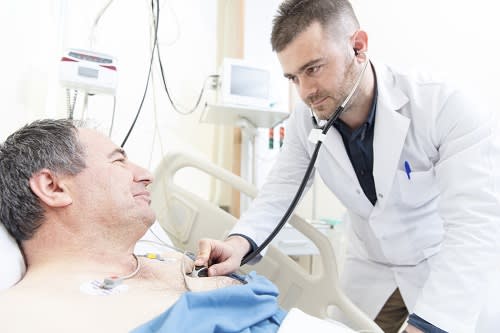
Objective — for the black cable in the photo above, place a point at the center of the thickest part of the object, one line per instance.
(296, 199)
(156, 23)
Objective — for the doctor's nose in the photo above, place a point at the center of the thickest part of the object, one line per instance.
(307, 90)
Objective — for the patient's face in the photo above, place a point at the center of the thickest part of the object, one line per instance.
(111, 189)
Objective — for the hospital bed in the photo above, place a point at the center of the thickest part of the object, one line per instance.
(187, 217)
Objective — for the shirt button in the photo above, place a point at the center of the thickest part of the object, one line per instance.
(358, 191)
(380, 195)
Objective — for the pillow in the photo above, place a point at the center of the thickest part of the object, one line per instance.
(11, 260)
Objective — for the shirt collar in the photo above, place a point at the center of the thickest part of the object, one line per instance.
(371, 117)
(370, 120)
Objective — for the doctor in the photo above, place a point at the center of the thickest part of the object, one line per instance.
(412, 159)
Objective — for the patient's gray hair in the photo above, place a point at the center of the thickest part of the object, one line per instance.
(48, 143)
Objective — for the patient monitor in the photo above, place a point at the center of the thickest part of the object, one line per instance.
(88, 71)
(244, 83)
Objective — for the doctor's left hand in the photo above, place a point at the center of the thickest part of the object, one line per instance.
(222, 257)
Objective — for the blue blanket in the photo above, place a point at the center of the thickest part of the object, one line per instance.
(248, 308)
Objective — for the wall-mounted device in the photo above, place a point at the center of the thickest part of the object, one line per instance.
(88, 71)
(244, 83)
(244, 96)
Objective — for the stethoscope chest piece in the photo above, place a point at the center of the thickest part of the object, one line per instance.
(199, 271)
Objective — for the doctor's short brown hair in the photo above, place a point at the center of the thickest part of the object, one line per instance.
(294, 16)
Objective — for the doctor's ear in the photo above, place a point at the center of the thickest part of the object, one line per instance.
(359, 42)
(48, 188)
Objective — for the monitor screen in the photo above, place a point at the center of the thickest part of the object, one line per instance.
(249, 82)
(244, 83)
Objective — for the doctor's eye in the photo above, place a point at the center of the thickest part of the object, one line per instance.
(293, 79)
(313, 69)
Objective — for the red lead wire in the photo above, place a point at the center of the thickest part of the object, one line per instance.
(282, 135)
(271, 138)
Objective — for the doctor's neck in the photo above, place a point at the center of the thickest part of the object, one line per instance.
(356, 113)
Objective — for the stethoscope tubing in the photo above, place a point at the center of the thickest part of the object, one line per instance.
(308, 172)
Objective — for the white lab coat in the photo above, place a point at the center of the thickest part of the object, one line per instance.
(433, 235)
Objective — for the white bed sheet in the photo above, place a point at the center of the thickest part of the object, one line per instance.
(297, 321)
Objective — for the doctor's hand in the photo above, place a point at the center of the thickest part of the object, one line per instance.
(222, 257)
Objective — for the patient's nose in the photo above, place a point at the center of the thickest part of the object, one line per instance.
(142, 175)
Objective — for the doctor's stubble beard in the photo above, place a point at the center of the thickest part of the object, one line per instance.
(338, 97)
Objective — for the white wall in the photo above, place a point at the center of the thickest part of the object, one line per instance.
(35, 34)
(459, 38)
(24, 58)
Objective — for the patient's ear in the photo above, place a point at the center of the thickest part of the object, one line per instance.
(49, 189)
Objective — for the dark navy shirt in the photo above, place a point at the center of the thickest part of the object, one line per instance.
(423, 325)
(359, 147)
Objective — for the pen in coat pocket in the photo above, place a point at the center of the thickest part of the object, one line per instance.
(407, 169)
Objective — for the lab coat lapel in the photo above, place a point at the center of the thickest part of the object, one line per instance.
(389, 134)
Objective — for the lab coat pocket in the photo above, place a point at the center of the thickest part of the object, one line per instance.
(418, 188)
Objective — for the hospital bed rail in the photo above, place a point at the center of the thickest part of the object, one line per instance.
(187, 217)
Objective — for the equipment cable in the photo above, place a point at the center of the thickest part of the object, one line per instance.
(155, 22)
(213, 77)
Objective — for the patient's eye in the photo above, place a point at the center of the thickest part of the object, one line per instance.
(118, 156)
(120, 160)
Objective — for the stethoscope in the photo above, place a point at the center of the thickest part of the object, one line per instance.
(317, 135)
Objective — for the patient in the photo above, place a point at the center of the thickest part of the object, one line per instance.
(77, 206)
